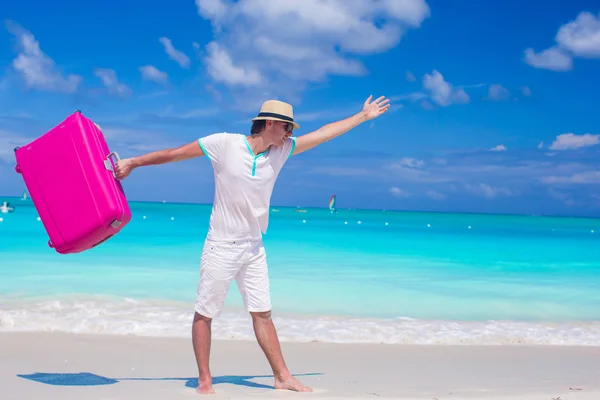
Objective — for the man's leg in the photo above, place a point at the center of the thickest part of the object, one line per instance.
(201, 334)
(266, 334)
(218, 267)
(253, 283)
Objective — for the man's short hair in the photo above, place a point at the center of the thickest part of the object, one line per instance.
(257, 126)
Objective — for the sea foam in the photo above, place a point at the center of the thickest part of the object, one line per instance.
(98, 315)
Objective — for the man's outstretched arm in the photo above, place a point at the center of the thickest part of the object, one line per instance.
(327, 132)
(187, 151)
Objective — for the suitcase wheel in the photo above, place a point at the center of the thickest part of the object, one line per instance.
(17, 168)
(50, 244)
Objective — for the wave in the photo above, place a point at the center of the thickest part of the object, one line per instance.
(99, 315)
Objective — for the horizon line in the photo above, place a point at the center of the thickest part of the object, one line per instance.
(371, 209)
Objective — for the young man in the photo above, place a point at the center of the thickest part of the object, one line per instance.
(245, 171)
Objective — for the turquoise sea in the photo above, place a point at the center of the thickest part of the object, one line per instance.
(350, 276)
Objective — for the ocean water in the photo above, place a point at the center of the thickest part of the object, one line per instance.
(352, 276)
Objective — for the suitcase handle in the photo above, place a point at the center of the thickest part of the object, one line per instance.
(109, 165)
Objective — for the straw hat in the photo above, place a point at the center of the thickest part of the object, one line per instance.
(277, 111)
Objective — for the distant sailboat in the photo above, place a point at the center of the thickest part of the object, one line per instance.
(332, 201)
(24, 196)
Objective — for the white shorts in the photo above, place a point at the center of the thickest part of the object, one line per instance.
(221, 262)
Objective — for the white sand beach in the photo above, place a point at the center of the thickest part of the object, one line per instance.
(77, 366)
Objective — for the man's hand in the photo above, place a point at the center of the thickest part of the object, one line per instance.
(376, 108)
(332, 130)
(124, 168)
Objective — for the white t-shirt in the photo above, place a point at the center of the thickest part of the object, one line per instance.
(243, 184)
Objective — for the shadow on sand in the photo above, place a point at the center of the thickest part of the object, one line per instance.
(89, 379)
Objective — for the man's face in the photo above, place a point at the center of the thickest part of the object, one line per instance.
(280, 132)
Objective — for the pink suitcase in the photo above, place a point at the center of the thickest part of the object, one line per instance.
(69, 173)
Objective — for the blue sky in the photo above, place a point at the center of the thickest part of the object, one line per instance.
(494, 104)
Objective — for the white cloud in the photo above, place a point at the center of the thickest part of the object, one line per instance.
(488, 177)
(586, 177)
(427, 105)
(341, 171)
(8, 142)
(282, 45)
(211, 9)
(414, 96)
(581, 37)
(570, 141)
(153, 95)
(484, 174)
(220, 66)
(36, 68)
(151, 73)
(442, 92)
(437, 90)
(412, 170)
(397, 192)
(324, 114)
(412, 12)
(500, 147)
(554, 59)
(526, 90)
(410, 77)
(411, 163)
(488, 191)
(564, 197)
(577, 38)
(138, 140)
(175, 113)
(110, 81)
(435, 195)
(541, 145)
(473, 86)
(498, 92)
(181, 58)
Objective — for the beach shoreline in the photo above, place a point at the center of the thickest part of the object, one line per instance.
(114, 315)
(53, 365)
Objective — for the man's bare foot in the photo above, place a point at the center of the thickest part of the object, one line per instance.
(205, 387)
(291, 383)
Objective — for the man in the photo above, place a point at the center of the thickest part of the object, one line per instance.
(245, 171)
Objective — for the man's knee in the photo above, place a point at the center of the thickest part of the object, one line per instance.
(201, 318)
(261, 315)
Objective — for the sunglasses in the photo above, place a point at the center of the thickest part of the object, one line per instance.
(289, 126)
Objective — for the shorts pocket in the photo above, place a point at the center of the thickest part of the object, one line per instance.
(220, 254)
(212, 247)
